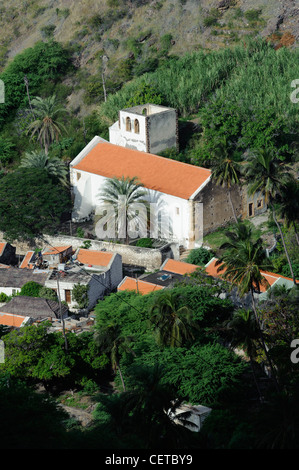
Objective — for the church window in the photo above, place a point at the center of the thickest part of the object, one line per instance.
(128, 124)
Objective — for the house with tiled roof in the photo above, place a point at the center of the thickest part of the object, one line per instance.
(138, 285)
(273, 279)
(13, 321)
(171, 271)
(101, 271)
(34, 308)
(95, 259)
(28, 261)
(13, 279)
(55, 255)
(185, 203)
(178, 267)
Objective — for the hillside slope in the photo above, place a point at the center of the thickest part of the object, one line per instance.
(143, 29)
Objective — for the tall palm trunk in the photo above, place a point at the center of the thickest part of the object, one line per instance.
(273, 374)
(283, 242)
(296, 233)
(232, 205)
(255, 379)
(121, 376)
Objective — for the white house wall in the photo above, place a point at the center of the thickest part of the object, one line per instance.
(86, 191)
(10, 290)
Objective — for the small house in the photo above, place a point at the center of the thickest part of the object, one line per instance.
(36, 309)
(138, 285)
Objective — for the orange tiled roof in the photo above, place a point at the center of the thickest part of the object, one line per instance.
(211, 269)
(3, 266)
(179, 267)
(157, 173)
(142, 287)
(56, 250)
(2, 245)
(94, 258)
(25, 263)
(11, 320)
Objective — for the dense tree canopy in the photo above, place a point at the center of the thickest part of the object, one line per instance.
(31, 203)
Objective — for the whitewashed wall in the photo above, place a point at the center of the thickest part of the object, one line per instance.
(86, 191)
(10, 290)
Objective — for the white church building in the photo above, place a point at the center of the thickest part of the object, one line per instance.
(185, 203)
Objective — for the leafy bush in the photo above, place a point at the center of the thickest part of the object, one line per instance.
(200, 256)
(80, 295)
(287, 272)
(48, 293)
(252, 15)
(145, 242)
(31, 289)
(210, 21)
(7, 148)
(3, 297)
(48, 31)
(43, 62)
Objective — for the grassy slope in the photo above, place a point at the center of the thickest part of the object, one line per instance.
(21, 26)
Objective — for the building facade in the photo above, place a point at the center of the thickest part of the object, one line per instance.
(148, 128)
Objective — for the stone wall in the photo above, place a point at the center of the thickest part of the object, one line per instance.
(217, 211)
(149, 258)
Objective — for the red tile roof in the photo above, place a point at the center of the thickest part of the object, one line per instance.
(11, 320)
(211, 269)
(55, 250)
(140, 286)
(25, 263)
(178, 267)
(156, 173)
(2, 245)
(94, 258)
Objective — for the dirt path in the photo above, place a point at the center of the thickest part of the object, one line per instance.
(82, 416)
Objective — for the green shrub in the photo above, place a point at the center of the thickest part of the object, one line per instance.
(252, 15)
(31, 289)
(3, 297)
(200, 256)
(80, 232)
(287, 272)
(210, 21)
(48, 293)
(145, 242)
(80, 295)
(48, 31)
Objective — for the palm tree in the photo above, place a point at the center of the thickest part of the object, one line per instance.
(267, 174)
(151, 404)
(225, 172)
(47, 124)
(123, 194)
(173, 324)
(243, 261)
(111, 341)
(243, 331)
(52, 165)
(288, 201)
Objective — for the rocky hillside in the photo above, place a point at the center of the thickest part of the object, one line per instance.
(104, 35)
